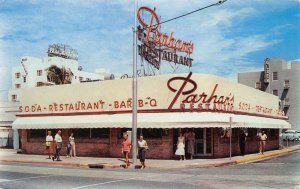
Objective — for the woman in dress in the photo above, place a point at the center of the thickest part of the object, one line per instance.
(73, 147)
(142, 147)
(191, 144)
(180, 147)
(49, 141)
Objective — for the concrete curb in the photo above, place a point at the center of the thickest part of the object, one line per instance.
(45, 163)
(195, 165)
(266, 156)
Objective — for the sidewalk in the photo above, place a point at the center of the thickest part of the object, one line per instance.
(8, 155)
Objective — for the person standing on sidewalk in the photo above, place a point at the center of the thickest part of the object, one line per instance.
(142, 147)
(73, 147)
(49, 141)
(263, 142)
(58, 142)
(191, 143)
(180, 147)
(126, 147)
(242, 142)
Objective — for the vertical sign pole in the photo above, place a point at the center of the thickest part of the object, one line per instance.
(134, 90)
(230, 123)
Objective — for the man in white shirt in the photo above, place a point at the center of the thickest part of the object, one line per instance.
(263, 142)
(58, 141)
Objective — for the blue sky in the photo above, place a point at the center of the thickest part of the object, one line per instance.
(234, 37)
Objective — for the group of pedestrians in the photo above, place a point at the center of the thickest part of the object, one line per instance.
(188, 140)
(142, 148)
(54, 146)
(261, 138)
(186, 143)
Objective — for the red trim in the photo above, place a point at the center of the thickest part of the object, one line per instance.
(143, 111)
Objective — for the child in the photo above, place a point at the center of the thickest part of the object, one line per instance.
(68, 150)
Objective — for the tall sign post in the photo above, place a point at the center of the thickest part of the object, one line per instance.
(134, 89)
(151, 40)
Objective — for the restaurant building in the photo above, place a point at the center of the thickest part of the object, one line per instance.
(99, 112)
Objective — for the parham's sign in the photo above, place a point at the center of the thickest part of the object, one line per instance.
(156, 46)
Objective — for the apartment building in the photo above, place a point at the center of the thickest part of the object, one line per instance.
(34, 72)
(281, 79)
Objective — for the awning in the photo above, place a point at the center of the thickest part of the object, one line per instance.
(150, 120)
(6, 119)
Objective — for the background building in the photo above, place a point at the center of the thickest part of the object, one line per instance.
(8, 112)
(59, 67)
(281, 79)
(62, 60)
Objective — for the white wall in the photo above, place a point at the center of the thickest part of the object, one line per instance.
(32, 65)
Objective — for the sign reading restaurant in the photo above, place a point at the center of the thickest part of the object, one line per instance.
(165, 93)
(157, 46)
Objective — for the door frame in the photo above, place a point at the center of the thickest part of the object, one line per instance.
(205, 144)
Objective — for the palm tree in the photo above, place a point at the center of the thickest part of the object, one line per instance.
(59, 76)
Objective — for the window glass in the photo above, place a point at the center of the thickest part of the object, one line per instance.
(14, 97)
(150, 133)
(100, 133)
(81, 133)
(275, 76)
(121, 131)
(39, 72)
(36, 133)
(258, 85)
(275, 92)
(18, 75)
(39, 84)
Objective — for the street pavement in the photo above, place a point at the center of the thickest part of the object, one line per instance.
(281, 172)
(12, 157)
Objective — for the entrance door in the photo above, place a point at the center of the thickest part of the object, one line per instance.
(199, 147)
(203, 146)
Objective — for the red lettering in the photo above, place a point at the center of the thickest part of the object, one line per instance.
(50, 108)
(116, 104)
(140, 103)
(89, 106)
(184, 89)
(122, 105)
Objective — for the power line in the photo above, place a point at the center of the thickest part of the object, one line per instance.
(215, 4)
(183, 15)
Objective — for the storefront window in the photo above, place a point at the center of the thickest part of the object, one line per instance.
(91, 133)
(81, 133)
(273, 134)
(147, 133)
(251, 134)
(121, 131)
(36, 133)
(150, 133)
(100, 133)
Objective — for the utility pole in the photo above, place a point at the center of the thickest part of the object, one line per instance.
(134, 89)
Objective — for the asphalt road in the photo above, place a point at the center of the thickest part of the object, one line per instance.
(281, 172)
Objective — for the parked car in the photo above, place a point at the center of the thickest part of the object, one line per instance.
(291, 135)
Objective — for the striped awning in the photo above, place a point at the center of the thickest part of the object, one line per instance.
(151, 120)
